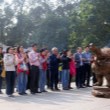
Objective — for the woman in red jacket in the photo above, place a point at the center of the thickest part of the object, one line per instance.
(72, 68)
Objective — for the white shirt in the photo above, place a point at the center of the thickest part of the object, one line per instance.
(9, 62)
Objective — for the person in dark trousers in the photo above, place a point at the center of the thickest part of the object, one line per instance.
(9, 65)
(1, 68)
(34, 65)
(87, 64)
(54, 61)
(79, 68)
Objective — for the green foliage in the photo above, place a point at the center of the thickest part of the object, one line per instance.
(91, 23)
(68, 23)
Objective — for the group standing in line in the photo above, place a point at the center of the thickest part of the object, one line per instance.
(43, 70)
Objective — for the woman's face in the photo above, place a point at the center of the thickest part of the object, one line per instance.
(21, 49)
(11, 51)
(43, 53)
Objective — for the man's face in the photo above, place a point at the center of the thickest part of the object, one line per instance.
(80, 50)
(87, 49)
(55, 51)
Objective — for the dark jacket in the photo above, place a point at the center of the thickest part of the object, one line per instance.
(54, 62)
(65, 61)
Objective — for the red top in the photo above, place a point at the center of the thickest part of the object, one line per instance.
(44, 64)
(20, 61)
(72, 68)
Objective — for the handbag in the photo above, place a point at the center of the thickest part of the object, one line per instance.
(3, 74)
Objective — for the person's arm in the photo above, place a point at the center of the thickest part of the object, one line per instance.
(19, 60)
(33, 58)
(42, 60)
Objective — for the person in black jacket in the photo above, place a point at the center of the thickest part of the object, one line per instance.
(54, 61)
(65, 73)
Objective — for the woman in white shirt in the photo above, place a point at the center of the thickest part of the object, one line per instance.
(9, 64)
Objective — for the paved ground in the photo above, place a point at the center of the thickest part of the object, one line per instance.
(76, 99)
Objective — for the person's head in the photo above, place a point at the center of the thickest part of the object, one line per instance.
(46, 50)
(15, 49)
(43, 51)
(34, 47)
(79, 49)
(20, 49)
(87, 48)
(1, 50)
(10, 50)
(65, 52)
(54, 50)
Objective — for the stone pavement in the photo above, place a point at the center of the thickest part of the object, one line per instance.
(76, 99)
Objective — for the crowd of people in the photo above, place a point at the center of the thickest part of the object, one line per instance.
(43, 70)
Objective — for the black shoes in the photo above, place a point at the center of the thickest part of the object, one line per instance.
(65, 88)
(88, 86)
(78, 87)
(11, 96)
(56, 89)
(70, 88)
(24, 93)
(44, 91)
(38, 92)
(33, 93)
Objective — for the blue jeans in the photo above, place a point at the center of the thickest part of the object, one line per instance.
(42, 80)
(22, 82)
(65, 79)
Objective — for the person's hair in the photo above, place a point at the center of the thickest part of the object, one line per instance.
(79, 48)
(42, 50)
(45, 48)
(33, 45)
(15, 48)
(54, 48)
(18, 49)
(1, 48)
(65, 51)
(7, 50)
(86, 46)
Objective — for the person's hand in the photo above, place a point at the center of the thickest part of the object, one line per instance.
(58, 56)
(46, 57)
(83, 59)
(48, 54)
